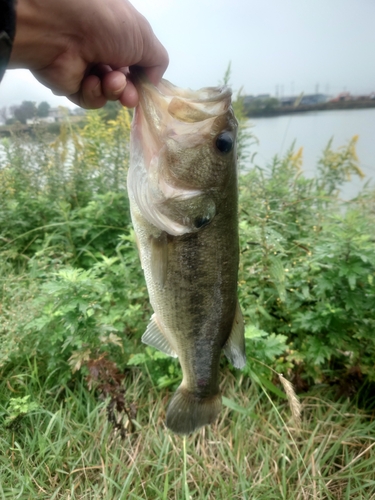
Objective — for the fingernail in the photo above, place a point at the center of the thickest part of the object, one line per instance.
(97, 90)
(120, 90)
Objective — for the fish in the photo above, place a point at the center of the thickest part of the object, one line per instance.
(183, 194)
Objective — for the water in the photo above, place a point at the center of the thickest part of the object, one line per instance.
(312, 131)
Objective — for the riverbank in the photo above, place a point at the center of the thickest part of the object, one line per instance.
(36, 129)
(272, 111)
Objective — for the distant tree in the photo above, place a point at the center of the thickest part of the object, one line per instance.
(12, 110)
(25, 111)
(271, 104)
(110, 110)
(261, 107)
(3, 114)
(43, 109)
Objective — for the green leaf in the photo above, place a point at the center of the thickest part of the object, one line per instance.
(268, 384)
(274, 345)
(317, 351)
(263, 312)
(277, 270)
(229, 403)
(252, 332)
(137, 359)
(352, 279)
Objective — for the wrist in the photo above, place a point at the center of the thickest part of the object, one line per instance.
(7, 28)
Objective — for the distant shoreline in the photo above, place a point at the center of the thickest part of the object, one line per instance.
(20, 128)
(327, 106)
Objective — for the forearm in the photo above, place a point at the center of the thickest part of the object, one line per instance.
(83, 48)
(45, 29)
(7, 29)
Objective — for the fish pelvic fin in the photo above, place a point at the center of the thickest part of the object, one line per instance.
(187, 413)
(234, 349)
(155, 337)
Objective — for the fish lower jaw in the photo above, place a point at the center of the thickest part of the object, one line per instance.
(187, 413)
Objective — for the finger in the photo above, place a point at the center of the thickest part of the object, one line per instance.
(154, 58)
(90, 95)
(117, 86)
(155, 72)
(113, 85)
(129, 96)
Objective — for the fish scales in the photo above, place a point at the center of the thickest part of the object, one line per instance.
(183, 193)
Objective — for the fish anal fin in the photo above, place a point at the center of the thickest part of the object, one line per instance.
(159, 258)
(155, 337)
(234, 349)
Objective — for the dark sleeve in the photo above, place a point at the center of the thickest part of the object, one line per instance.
(7, 30)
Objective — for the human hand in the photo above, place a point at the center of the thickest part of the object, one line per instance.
(83, 48)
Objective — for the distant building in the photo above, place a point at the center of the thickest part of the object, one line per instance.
(303, 100)
(249, 99)
(38, 119)
(58, 113)
(78, 112)
(313, 99)
(54, 115)
(288, 100)
(344, 96)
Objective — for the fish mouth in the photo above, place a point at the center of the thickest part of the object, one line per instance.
(205, 94)
(167, 101)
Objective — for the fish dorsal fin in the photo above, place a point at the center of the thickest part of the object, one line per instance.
(234, 348)
(159, 258)
(155, 337)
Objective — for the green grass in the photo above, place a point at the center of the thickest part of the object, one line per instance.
(67, 449)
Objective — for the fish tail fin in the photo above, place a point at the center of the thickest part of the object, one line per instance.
(186, 412)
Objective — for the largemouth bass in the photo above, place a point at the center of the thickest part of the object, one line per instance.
(182, 185)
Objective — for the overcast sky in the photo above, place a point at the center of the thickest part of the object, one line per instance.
(295, 45)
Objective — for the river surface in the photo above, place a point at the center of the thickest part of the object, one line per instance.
(312, 131)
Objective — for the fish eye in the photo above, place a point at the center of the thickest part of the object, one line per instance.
(201, 221)
(224, 142)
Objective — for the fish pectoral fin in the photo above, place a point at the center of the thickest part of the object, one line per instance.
(155, 337)
(159, 258)
(234, 348)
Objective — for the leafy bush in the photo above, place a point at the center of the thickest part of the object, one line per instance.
(72, 284)
(308, 265)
